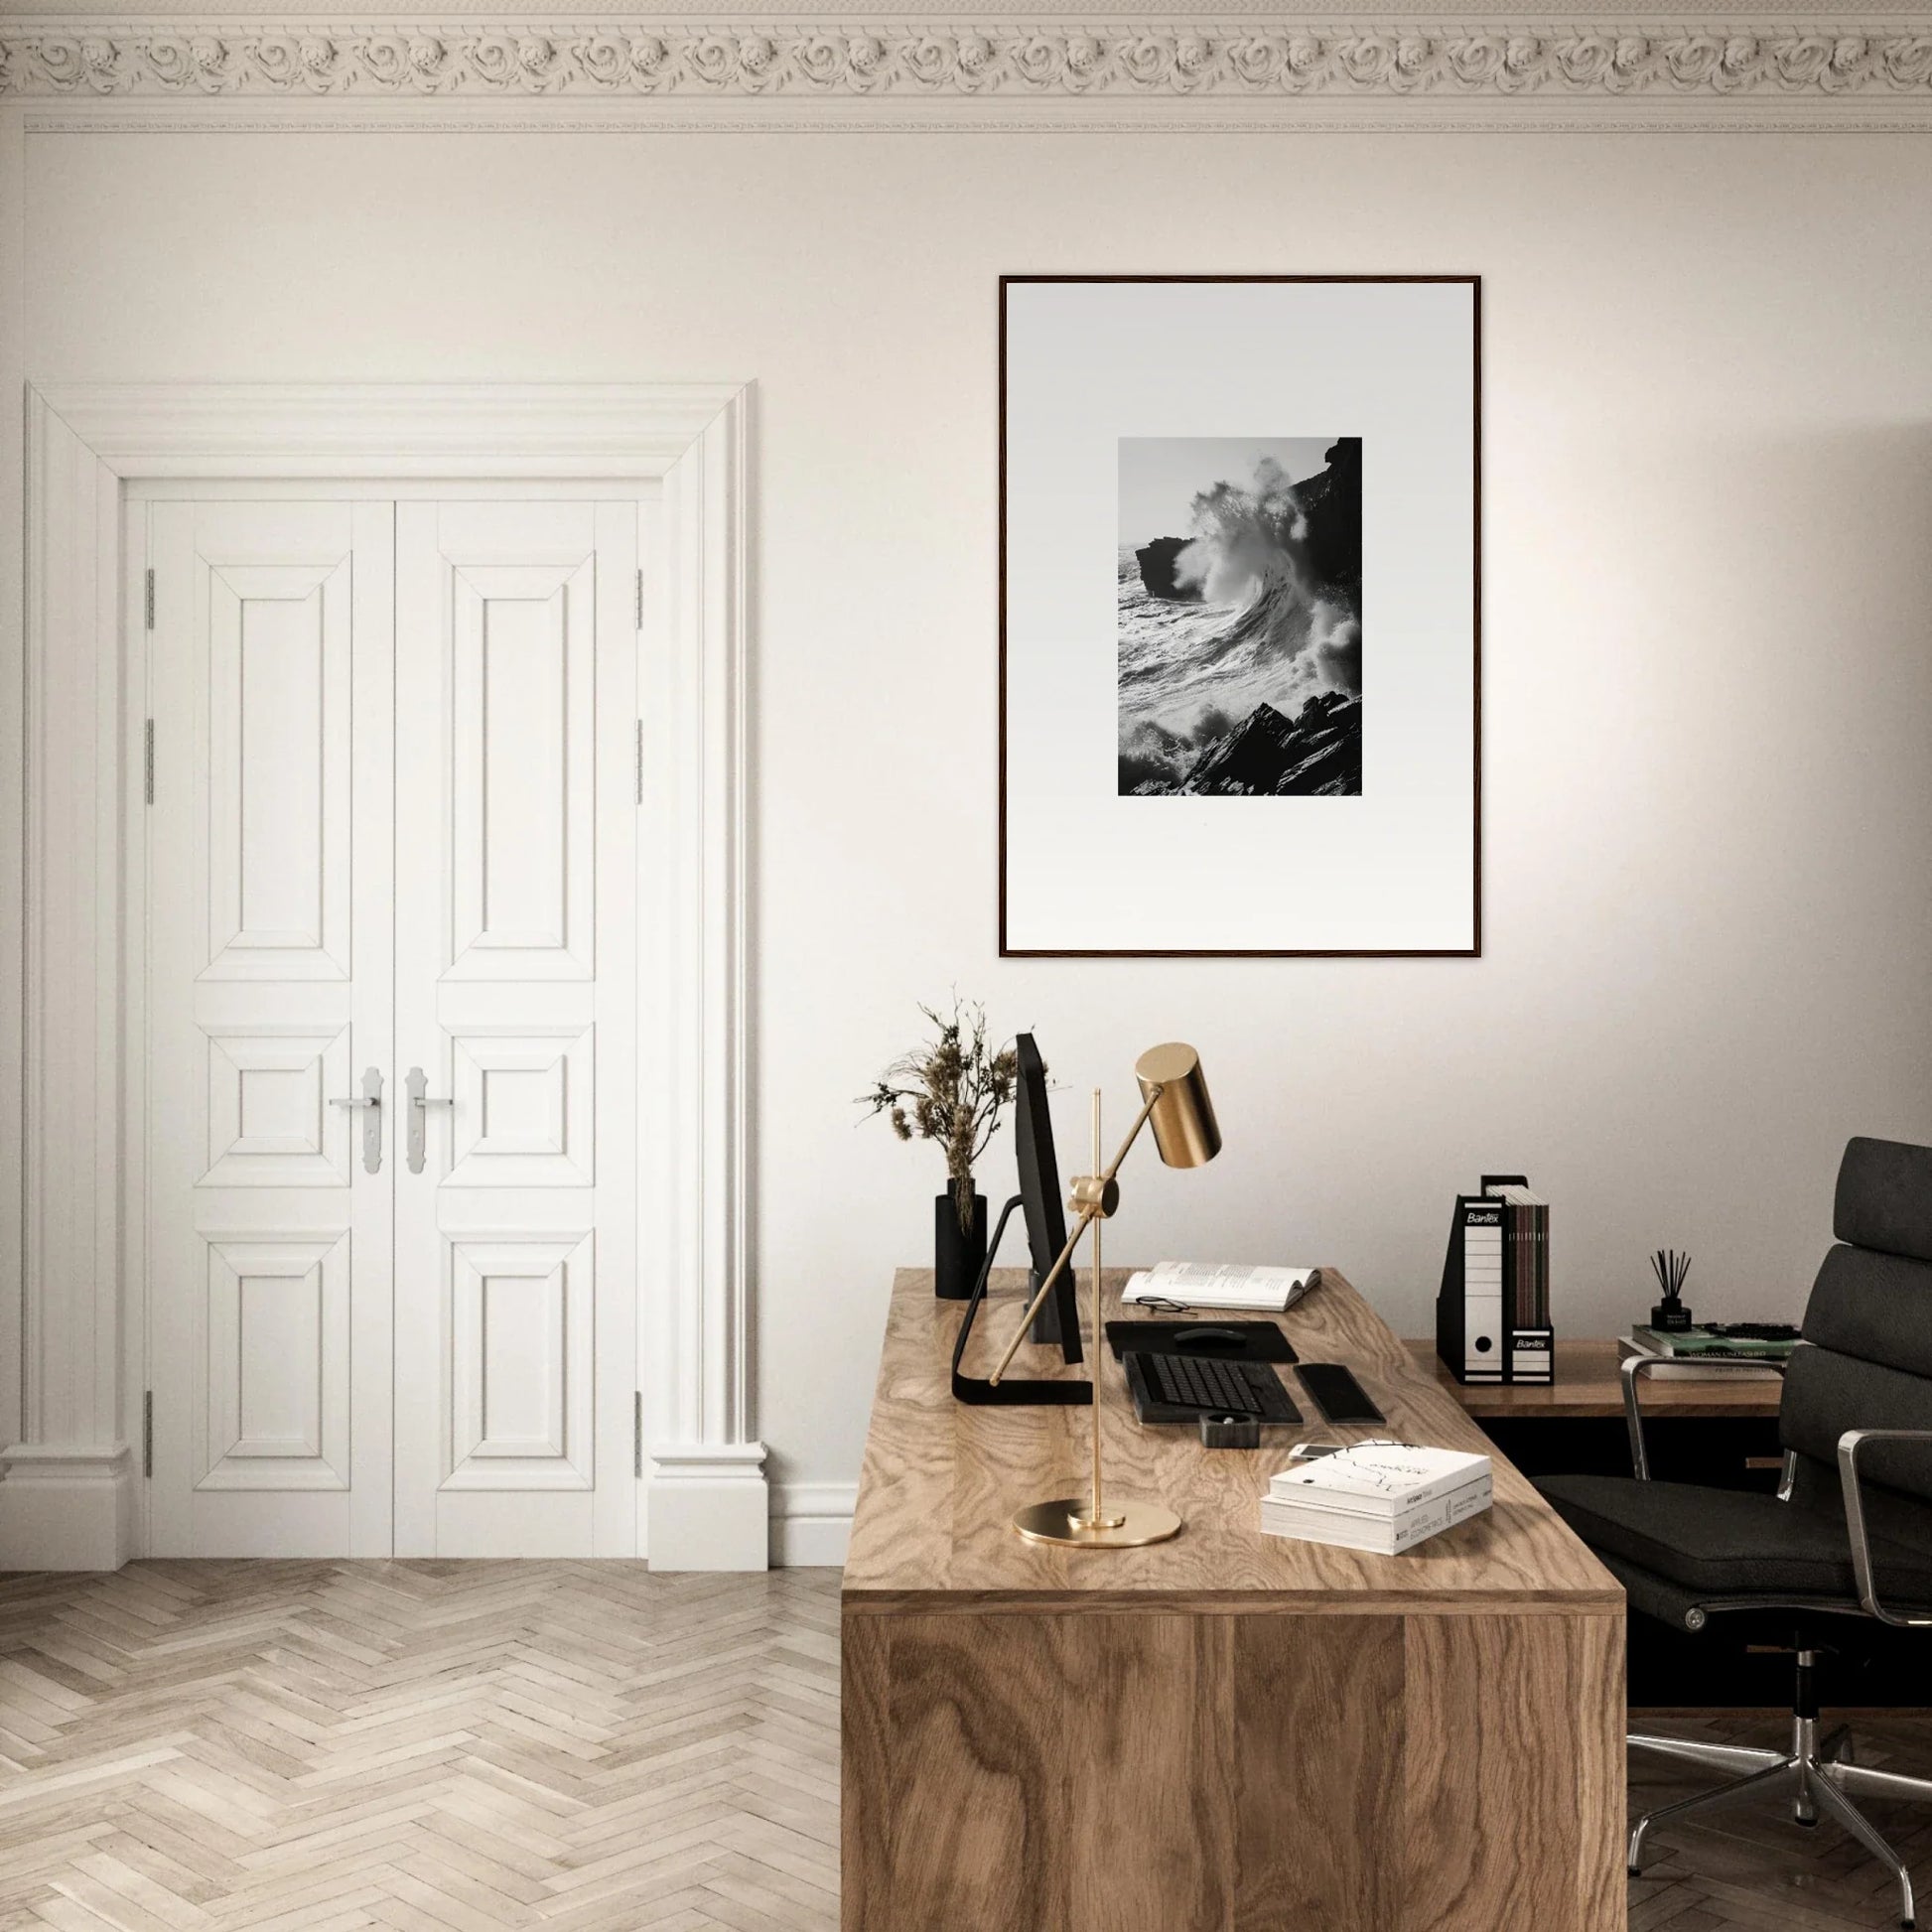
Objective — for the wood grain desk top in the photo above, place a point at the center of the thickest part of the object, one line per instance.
(941, 1479)
(1587, 1384)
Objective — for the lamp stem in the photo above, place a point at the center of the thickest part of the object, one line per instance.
(1132, 1133)
(1094, 1515)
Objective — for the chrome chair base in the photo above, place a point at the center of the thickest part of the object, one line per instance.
(1818, 1776)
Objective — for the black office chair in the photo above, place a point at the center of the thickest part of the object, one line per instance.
(1849, 1536)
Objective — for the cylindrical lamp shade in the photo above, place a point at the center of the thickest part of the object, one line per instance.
(1184, 1128)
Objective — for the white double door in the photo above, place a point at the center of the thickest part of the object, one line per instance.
(392, 858)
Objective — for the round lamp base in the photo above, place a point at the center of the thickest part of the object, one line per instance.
(1063, 1521)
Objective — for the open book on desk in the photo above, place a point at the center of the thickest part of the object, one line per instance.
(1210, 1285)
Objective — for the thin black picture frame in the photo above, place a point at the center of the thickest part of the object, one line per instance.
(1471, 952)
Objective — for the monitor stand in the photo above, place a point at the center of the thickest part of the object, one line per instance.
(1010, 1391)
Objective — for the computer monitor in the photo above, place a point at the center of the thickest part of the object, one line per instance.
(1038, 1200)
(1040, 1193)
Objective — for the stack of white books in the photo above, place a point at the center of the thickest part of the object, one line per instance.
(1212, 1285)
(1381, 1496)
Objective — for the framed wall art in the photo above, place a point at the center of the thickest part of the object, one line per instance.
(1240, 615)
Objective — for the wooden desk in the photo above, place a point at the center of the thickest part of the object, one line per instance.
(1587, 1385)
(1227, 1733)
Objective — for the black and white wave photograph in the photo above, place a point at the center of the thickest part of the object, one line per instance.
(1240, 616)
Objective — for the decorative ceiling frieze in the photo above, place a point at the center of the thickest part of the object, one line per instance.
(1562, 64)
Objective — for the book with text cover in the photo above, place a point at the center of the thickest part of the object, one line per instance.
(1383, 1477)
(1377, 1496)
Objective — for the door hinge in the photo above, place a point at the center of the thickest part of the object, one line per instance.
(637, 1434)
(147, 761)
(640, 760)
(640, 599)
(147, 1433)
(149, 596)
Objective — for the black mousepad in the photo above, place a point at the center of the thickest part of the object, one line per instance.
(1250, 1342)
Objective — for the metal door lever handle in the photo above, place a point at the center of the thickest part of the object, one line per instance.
(370, 1099)
(420, 1102)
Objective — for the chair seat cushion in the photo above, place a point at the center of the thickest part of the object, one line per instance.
(1728, 1542)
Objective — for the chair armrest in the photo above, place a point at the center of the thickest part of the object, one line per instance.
(1848, 1446)
(1634, 1367)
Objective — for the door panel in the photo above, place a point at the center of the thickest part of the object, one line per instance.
(278, 1365)
(521, 1368)
(524, 1108)
(523, 784)
(271, 687)
(515, 976)
(279, 744)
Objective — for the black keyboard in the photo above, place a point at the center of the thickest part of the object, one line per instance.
(1188, 1386)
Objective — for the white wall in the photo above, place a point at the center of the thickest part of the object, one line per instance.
(1708, 647)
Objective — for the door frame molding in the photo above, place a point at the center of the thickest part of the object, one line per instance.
(70, 1493)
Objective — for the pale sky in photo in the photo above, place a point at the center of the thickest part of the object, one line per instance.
(1161, 476)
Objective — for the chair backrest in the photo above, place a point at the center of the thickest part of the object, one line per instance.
(1867, 1362)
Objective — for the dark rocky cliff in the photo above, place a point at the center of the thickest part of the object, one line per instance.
(1332, 500)
(1318, 753)
(1156, 570)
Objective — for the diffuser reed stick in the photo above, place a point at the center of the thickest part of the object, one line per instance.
(1670, 1266)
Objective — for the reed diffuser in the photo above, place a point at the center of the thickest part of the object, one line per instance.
(1670, 1314)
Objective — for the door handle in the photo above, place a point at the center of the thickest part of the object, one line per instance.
(371, 1100)
(420, 1102)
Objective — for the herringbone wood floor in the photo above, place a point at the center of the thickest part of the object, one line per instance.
(459, 1747)
(431, 1747)
(1753, 1867)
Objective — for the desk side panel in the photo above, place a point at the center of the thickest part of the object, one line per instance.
(1150, 1772)
(1150, 1799)
(1317, 1738)
(1514, 1774)
(955, 1799)
(865, 1772)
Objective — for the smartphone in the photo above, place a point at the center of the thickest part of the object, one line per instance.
(1335, 1392)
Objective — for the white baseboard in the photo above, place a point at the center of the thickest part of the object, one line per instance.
(63, 1508)
(709, 1507)
(812, 1523)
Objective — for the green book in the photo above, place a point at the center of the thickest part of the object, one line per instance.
(1701, 1341)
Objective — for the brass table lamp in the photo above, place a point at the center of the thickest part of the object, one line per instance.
(1176, 1104)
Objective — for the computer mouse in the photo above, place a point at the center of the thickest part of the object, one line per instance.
(1210, 1338)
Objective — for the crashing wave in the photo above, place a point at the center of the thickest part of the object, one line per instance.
(1260, 606)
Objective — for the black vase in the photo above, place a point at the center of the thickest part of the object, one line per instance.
(957, 1255)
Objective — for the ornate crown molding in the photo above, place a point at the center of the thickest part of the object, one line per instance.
(1253, 61)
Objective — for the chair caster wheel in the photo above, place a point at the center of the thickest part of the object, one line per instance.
(1810, 1824)
(1633, 1872)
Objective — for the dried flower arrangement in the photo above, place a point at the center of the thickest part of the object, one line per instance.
(953, 1090)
